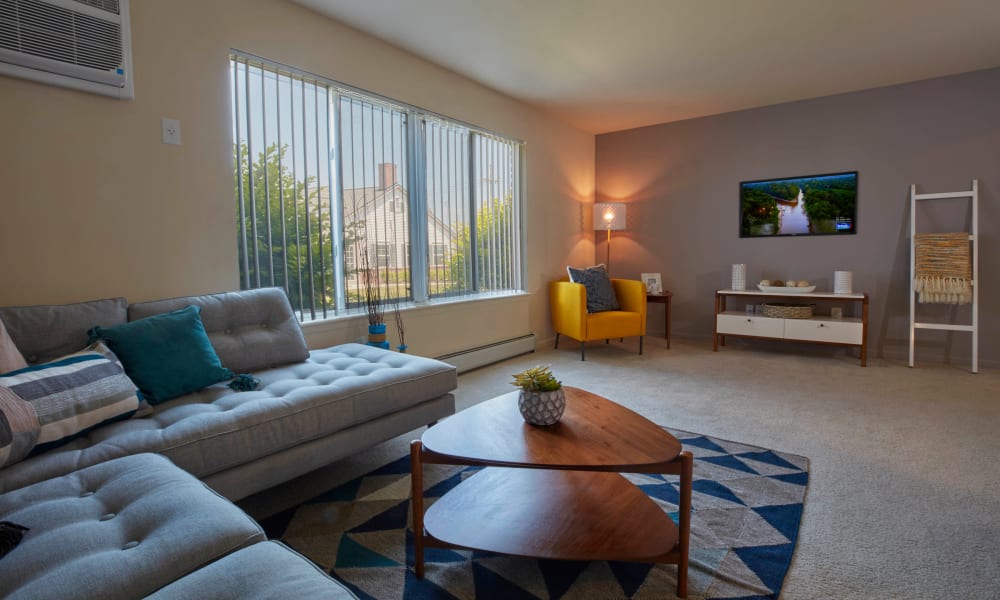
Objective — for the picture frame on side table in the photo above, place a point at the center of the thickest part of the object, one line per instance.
(653, 283)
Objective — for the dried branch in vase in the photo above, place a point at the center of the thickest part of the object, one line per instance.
(399, 323)
(373, 291)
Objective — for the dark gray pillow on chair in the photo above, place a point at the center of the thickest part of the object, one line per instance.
(600, 293)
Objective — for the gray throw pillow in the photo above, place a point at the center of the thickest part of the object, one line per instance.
(600, 293)
(11, 358)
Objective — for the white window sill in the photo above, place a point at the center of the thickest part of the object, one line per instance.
(349, 319)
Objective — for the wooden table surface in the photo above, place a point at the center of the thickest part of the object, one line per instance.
(593, 434)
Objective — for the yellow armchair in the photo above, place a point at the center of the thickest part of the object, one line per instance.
(570, 317)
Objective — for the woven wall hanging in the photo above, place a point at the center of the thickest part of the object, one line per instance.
(943, 270)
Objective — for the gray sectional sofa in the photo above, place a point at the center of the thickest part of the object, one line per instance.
(310, 408)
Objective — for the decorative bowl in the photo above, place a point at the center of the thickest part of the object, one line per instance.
(786, 290)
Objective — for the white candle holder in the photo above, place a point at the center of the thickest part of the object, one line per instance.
(739, 277)
(843, 282)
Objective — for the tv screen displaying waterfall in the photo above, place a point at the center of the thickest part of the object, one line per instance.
(811, 205)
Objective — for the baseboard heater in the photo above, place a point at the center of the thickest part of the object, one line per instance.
(473, 358)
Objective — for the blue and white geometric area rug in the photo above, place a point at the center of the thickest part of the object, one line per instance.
(746, 507)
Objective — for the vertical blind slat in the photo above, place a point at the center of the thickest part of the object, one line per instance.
(252, 185)
(267, 181)
(300, 303)
(319, 204)
(240, 190)
(281, 191)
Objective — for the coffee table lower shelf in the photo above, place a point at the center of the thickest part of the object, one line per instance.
(572, 515)
(550, 514)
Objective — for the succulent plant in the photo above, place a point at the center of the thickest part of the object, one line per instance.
(537, 379)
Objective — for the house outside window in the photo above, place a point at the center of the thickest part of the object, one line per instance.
(350, 260)
(323, 169)
(384, 255)
(438, 252)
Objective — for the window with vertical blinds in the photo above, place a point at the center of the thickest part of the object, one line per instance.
(331, 180)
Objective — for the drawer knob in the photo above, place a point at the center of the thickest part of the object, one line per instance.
(822, 325)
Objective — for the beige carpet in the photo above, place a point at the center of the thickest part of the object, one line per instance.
(904, 490)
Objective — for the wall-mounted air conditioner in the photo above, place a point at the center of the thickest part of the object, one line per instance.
(81, 44)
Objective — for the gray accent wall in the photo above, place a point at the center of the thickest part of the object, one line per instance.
(681, 182)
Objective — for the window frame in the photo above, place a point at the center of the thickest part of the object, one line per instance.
(414, 206)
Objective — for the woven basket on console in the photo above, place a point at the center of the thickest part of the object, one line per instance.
(788, 311)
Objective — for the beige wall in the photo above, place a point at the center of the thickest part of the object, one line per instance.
(681, 181)
(94, 205)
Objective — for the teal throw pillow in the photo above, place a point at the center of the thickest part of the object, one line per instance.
(600, 292)
(166, 355)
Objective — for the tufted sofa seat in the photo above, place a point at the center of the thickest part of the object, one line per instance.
(311, 408)
(138, 525)
(267, 570)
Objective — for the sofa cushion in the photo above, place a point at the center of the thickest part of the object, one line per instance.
(167, 355)
(72, 394)
(120, 529)
(11, 358)
(250, 330)
(600, 292)
(217, 429)
(265, 570)
(45, 332)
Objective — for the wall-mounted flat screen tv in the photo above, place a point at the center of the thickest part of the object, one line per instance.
(812, 205)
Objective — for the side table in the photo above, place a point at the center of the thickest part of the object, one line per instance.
(664, 299)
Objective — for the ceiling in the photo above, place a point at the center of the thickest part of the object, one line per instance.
(607, 65)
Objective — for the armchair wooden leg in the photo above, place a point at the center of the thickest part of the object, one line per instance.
(583, 350)
(640, 344)
(607, 341)
(557, 342)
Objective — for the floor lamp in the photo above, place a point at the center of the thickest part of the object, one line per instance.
(609, 216)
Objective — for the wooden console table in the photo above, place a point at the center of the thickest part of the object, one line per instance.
(820, 329)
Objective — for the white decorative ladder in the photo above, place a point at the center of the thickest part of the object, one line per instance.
(973, 195)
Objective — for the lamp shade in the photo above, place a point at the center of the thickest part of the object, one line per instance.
(609, 216)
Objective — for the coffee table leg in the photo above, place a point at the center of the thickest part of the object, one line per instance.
(417, 481)
(687, 462)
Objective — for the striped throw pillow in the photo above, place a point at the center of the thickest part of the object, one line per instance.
(69, 396)
(18, 427)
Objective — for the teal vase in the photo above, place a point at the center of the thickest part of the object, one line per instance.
(376, 336)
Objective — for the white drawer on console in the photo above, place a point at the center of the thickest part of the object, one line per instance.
(840, 332)
(750, 325)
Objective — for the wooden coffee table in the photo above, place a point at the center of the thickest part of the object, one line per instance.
(553, 492)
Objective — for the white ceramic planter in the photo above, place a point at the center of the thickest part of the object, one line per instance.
(542, 408)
